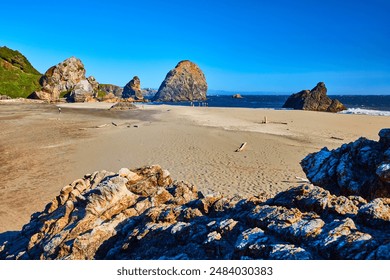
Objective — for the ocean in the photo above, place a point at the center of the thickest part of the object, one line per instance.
(356, 104)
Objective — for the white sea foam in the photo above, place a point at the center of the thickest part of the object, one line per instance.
(359, 111)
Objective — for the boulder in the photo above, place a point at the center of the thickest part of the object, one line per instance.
(133, 89)
(237, 96)
(314, 100)
(82, 91)
(359, 168)
(67, 79)
(143, 214)
(184, 83)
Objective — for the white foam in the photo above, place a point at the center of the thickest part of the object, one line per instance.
(359, 111)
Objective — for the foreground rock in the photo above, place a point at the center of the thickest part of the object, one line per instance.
(142, 214)
(133, 89)
(314, 100)
(184, 83)
(359, 168)
(66, 79)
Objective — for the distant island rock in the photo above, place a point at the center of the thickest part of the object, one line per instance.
(314, 100)
(144, 214)
(18, 78)
(106, 89)
(237, 95)
(184, 83)
(133, 89)
(66, 79)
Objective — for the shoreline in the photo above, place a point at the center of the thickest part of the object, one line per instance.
(44, 150)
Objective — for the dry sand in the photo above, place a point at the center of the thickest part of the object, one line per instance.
(42, 150)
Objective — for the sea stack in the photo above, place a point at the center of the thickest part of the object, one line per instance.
(133, 89)
(184, 83)
(66, 79)
(314, 100)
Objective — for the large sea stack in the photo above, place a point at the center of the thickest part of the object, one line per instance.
(133, 89)
(66, 79)
(184, 83)
(314, 100)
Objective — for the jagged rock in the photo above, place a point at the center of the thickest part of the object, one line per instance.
(111, 89)
(143, 214)
(185, 82)
(314, 100)
(359, 168)
(67, 79)
(237, 96)
(133, 89)
(148, 92)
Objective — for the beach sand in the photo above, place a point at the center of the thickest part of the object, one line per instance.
(42, 150)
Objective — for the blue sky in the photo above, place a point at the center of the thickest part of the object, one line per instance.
(275, 46)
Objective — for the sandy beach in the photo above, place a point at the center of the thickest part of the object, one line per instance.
(42, 150)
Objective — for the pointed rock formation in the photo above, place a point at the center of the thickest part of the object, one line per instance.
(184, 83)
(133, 89)
(314, 100)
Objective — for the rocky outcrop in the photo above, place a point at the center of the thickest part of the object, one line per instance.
(148, 92)
(143, 214)
(237, 96)
(111, 89)
(4, 97)
(358, 168)
(184, 83)
(124, 105)
(67, 77)
(133, 89)
(314, 100)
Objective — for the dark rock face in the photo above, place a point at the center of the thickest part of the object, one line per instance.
(142, 214)
(314, 100)
(133, 89)
(111, 89)
(184, 83)
(358, 168)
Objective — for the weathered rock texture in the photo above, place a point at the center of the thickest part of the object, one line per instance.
(133, 89)
(142, 214)
(185, 82)
(358, 168)
(67, 77)
(314, 100)
(111, 89)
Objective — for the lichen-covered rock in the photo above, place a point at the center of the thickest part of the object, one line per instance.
(314, 100)
(142, 214)
(184, 83)
(133, 89)
(359, 168)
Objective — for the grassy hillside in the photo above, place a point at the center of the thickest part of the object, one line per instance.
(18, 78)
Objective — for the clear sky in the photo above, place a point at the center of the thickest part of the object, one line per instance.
(241, 45)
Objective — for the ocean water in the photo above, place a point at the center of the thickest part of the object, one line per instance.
(356, 104)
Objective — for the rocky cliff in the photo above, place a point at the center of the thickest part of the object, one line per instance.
(133, 89)
(18, 78)
(185, 82)
(106, 89)
(314, 100)
(66, 79)
(143, 214)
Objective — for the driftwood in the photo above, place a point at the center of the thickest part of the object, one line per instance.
(241, 147)
(337, 138)
(302, 179)
(114, 124)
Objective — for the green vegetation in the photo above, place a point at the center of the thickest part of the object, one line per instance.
(18, 78)
(101, 94)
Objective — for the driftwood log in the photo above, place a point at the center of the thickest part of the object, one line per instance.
(241, 147)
